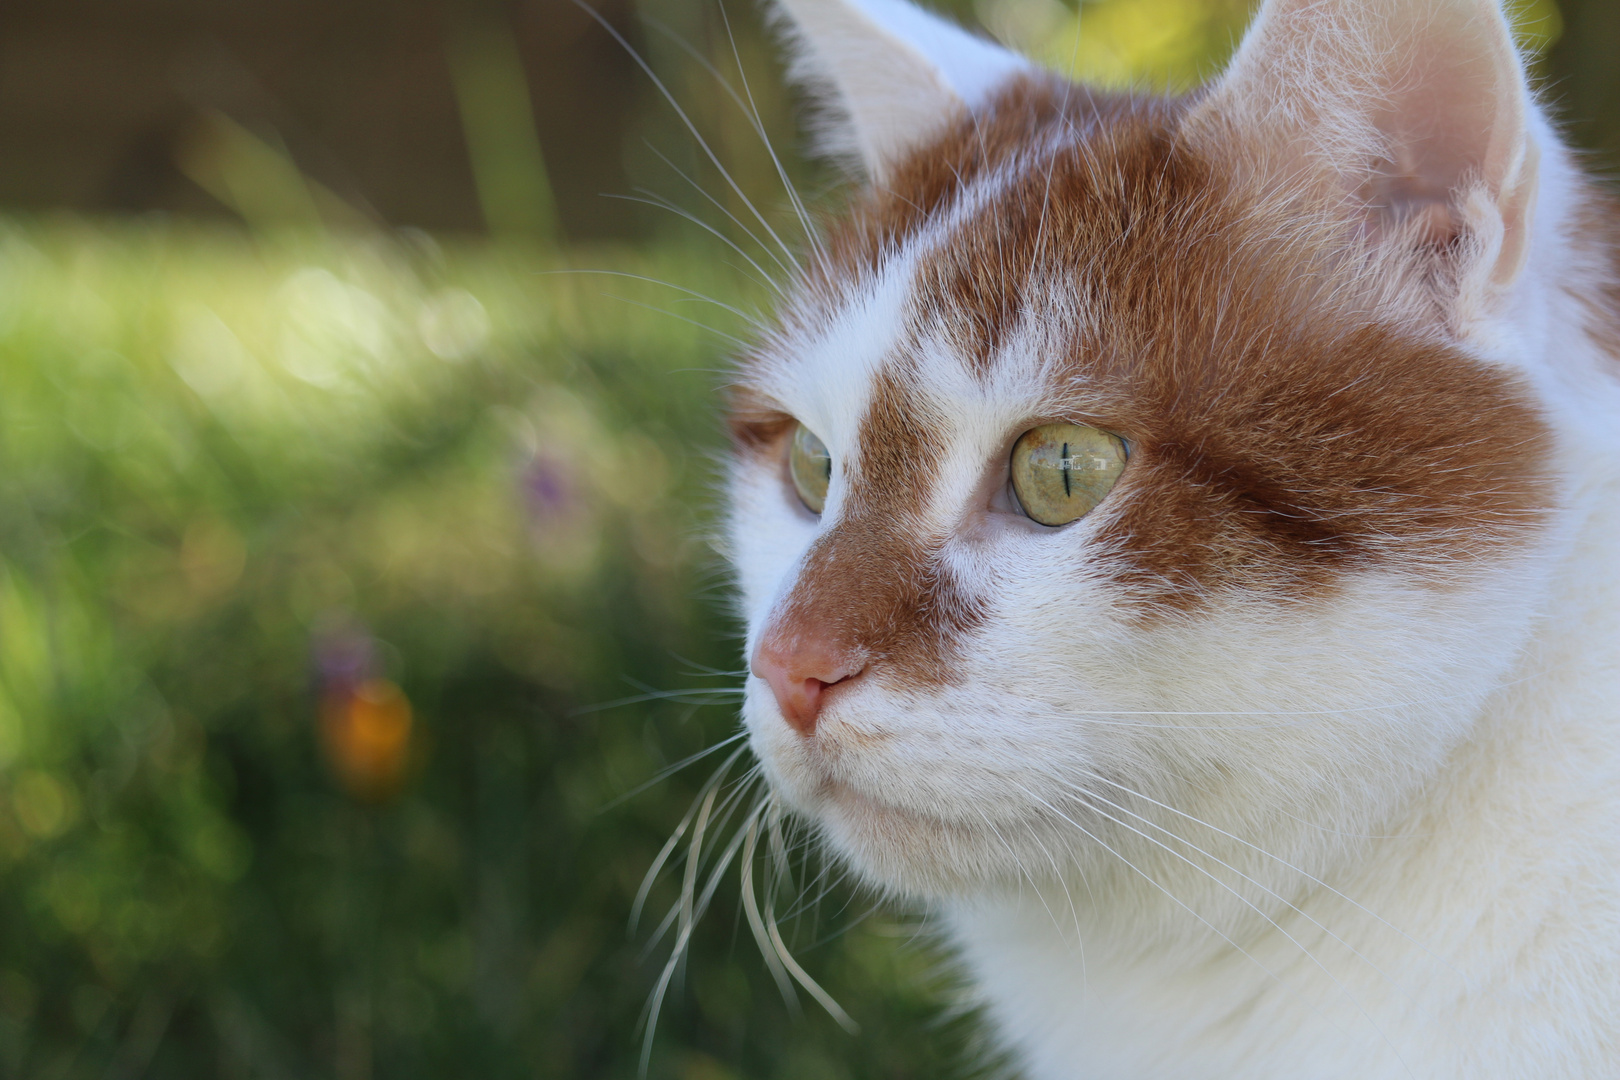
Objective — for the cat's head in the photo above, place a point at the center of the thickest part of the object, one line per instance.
(1180, 447)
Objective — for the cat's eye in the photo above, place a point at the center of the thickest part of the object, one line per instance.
(810, 465)
(1061, 471)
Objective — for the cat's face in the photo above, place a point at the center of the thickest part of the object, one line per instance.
(1289, 599)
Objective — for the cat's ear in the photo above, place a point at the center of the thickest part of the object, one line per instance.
(891, 76)
(1417, 111)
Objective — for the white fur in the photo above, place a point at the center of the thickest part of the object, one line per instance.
(1376, 835)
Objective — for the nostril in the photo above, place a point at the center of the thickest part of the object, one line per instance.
(799, 676)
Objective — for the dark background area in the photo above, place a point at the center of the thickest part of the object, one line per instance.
(98, 98)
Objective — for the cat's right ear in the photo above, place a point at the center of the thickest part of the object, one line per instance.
(889, 76)
(1413, 114)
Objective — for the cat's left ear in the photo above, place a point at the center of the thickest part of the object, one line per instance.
(891, 75)
(1415, 111)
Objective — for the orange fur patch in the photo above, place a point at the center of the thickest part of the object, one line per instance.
(1281, 431)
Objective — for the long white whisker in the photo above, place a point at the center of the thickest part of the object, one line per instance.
(656, 1002)
(670, 770)
(770, 253)
(694, 696)
(690, 127)
(1074, 912)
(1089, 796)
(759, 128)
(1313, 879)
(750, 110)
(723, 813)
(704, 669)
(1168, 894)
(675, 838)
(756, 921)
(647, 198)
(734, 339)
(1061, 878)
(693, 862)
(785, 957)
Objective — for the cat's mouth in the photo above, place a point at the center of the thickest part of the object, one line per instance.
(822, 792)
(894, 846)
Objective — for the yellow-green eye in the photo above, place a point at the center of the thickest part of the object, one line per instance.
(1061, 471)
(811, 467)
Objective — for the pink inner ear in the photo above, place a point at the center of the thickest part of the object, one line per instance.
(1451, 121)
(1403, 200)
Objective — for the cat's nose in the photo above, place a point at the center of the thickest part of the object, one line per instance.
(800, 671)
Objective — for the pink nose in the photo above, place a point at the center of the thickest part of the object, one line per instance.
(800, 672)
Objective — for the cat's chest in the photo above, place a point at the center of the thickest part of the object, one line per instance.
(1211, 1005)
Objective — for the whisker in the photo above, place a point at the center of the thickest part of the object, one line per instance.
(693, 859)
(684, 697)
(670, 770)
(1168, 894)
(686, 120)
(749, 109)
(756, 922)
(751, 320)
(759, 128)
(1091, 716)
(656, 1000)
(723, 816)
(646, 198)
(1313, 879)
(704, 669)
(1033, 884)
(1074, 912)
(716, 778)
(1091, 795)
(766, 931)
(848, 924)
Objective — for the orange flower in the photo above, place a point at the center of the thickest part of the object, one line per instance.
(366, 733)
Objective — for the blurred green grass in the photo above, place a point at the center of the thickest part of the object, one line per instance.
(242, 475)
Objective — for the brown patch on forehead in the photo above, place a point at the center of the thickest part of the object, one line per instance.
(874, 583)
(1049, 222)
(1280, 433)
(1307, 458)
(881, 219)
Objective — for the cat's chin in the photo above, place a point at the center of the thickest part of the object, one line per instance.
(896, 849)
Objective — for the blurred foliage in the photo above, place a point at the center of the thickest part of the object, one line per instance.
(1166, 44)
(313, 550)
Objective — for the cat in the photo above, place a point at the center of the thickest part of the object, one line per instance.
(1178, 542)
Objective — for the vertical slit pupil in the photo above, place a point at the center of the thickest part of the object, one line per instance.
(1064, 461)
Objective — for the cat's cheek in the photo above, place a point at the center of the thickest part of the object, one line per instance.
(767, 538)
